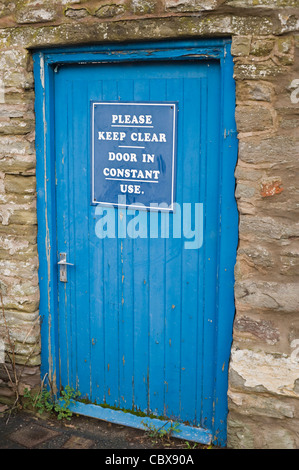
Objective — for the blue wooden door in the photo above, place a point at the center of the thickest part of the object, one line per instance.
(139, 321)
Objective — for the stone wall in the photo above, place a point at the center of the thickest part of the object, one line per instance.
(264, 368)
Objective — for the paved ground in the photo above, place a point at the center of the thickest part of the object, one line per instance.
(24, 430)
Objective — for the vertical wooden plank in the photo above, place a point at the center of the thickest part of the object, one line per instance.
(126, 295)
(62, 111)
(191, 116)
(157, 273)
(72, 239)
(111, 290)
(140, 286)
(175, 92)
(46, 214)
(202, 251)
(96, 251)
(81, 201)
(211, 241)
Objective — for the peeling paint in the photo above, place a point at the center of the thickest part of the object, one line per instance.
(277, 374)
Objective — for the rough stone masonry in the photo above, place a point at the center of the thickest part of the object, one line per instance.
(264, 366)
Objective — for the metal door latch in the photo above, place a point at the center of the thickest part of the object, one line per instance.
(63, 267)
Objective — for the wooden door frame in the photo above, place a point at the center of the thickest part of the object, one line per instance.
(46, 62)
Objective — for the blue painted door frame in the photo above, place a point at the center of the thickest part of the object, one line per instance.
(214, 52)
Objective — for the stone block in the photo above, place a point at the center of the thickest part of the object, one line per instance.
(264, 228)
(239, 435)
(254, 405)
(20, 184)
(76, 13)
(262, 3)
(143, 7)
(26, 332)
(261, 47)
(17, 164)
(25, 287)
(23, 217)
(291, 249)
(274, 296)
(254, 24)
(35, 15)
(263, 330)
(18, 78)
(263, 372)
(253, 118)
(284, 50)
(191, 5)
(288, 22)
(7, 8)
(285, 44)
(248, 172)
(13, 201)
(277, 437)
(290, 260)
(14, 230)
(21, 270)
(13, 58)
(260, 433)
(28, 304)
(260, 256)
(19, 251)
(240, 46)
(18, 98)
(278, 149)
(289, 121)
(16, 126)
(8, 111)
(109, 11)
(254, 90)
(244, 191)
(15, 145)
(257, 70)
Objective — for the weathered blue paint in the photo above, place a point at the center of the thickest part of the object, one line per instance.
(182, 431)
(143, 323)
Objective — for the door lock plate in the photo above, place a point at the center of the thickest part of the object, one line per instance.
(63, 267)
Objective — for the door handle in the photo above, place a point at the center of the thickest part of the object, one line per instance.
(63, 267)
